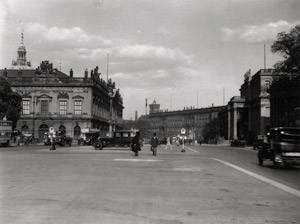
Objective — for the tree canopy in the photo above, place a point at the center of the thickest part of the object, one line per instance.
(288, 45)
(10, 102)
(211, 131)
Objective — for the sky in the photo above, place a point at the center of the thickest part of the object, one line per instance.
(180, 53)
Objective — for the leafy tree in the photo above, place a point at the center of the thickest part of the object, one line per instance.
(10, 102)
(288, 45)
(211, 131)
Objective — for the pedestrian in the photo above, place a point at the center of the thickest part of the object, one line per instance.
(168, 145)
(135, 144)
(18, 140)
(154, 143)
(52, 141)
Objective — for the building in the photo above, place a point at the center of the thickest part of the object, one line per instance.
(249, 113)
(67, 103)
(170, 123)
(154, 107)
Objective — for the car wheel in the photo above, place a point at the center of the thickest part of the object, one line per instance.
(98, 145)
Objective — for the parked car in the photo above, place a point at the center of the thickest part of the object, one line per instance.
(62, 140)
(283, 147)
(88, 138)
(121, 138)
(238, 143)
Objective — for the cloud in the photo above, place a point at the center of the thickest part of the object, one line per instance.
(257, 33)
(67, 37)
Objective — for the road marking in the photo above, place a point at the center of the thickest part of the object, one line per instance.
(264, 179)
(138, 160)
(191, 149)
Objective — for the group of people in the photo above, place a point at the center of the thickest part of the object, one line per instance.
(154, 143)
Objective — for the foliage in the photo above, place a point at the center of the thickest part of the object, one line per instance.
(211, 131)
(288, 45)
(10, 102)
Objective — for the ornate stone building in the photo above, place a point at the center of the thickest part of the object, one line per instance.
(67, 103)
(249, 113)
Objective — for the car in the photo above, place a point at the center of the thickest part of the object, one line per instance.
(88, 138)
(283, 147)
(238, 143)
(121, 138)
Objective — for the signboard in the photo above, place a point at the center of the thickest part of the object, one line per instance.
(182, 131)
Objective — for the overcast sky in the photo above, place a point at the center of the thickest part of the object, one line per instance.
(167, 50)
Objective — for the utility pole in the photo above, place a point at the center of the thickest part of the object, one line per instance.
(107, 67)
(264, 56)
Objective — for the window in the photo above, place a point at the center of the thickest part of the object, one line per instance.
(78, 107)
(63, 107)
(44, 106)
(25, 106)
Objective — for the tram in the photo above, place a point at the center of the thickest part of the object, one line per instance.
(6, 131)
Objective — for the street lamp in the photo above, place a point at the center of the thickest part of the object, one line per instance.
(112, 93)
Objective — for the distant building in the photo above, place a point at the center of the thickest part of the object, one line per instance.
(154, 107)
(170, 123)
(51, 98)
(249, 114)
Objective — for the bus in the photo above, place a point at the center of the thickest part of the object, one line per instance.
(6, 131)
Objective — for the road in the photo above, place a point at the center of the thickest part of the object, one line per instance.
(206, 184)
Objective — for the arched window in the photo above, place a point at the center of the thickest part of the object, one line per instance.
(42, 129)
(25, 129)
(77, 132)
(62, 129)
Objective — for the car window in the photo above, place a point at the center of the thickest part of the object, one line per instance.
(132, 134)
(125, 134)
(117, 135)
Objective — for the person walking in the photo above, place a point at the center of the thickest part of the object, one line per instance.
(135, 144)
(154, 143)
(168, 145)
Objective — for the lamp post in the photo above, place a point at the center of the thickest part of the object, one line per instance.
(111, 92)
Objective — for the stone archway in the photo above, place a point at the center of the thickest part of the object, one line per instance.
(25, 129)
(42, 129)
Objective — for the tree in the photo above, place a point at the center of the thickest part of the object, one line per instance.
(10, 102)
(211, 131)
(288, 45)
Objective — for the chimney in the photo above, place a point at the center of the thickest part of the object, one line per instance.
(71, 73)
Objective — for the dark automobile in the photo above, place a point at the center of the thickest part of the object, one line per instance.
(283, 147)
(121, 138)
(88, 138)
(62, 140)
(238, 143)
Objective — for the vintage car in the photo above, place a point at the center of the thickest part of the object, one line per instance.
(283, 147)
(88, 137)
(238, 143)
(121, 138)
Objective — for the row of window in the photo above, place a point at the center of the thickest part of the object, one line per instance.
(44, 109)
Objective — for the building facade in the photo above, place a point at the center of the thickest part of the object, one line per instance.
(192, 120)
(51, 98)
(249, 113)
